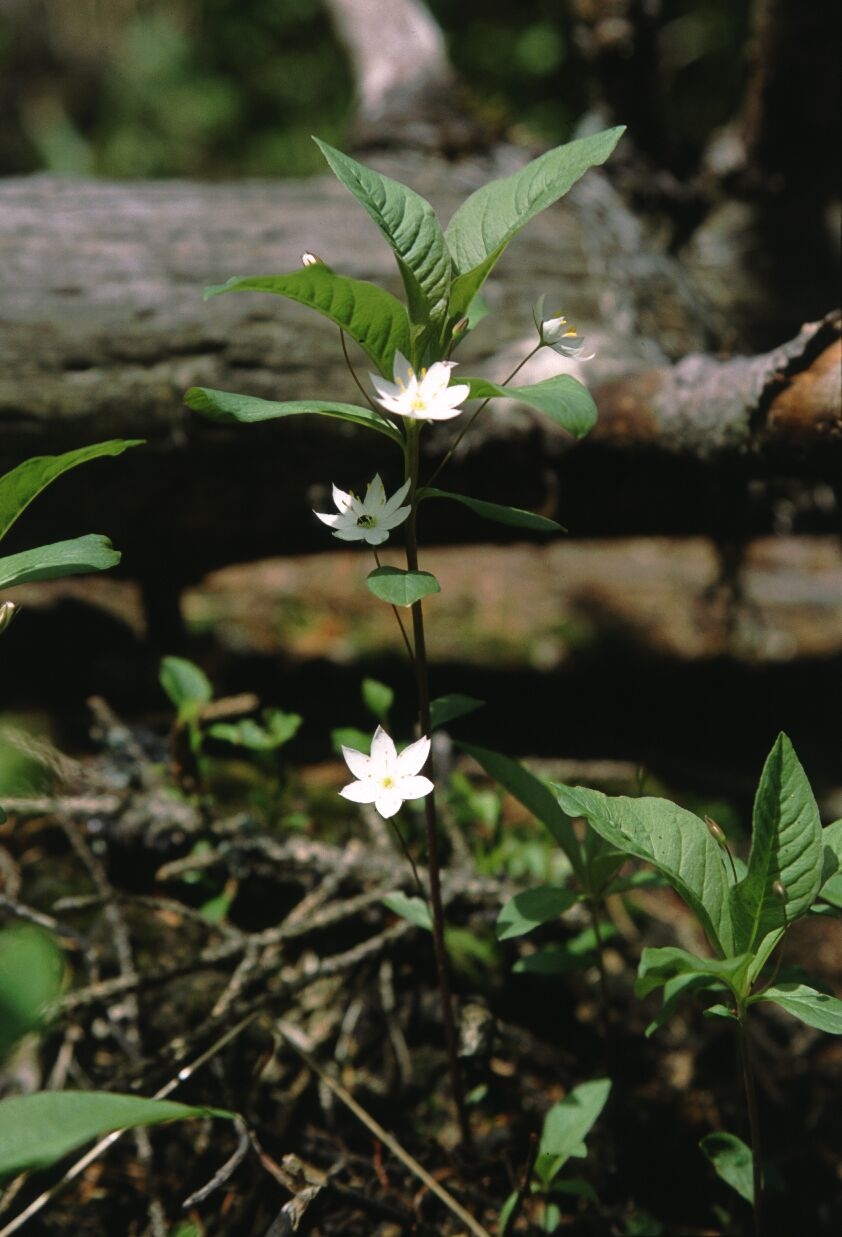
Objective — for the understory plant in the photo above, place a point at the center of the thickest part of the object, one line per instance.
(410, 345)
(744, 909)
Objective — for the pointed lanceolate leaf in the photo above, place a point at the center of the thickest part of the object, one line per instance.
(22, 484)
(63, 558)
(401, 588)
(370, 315)
(514, 517)
(567, 1125)
(535, 795)
(410, 226)
(38, 1129)
(817, 1009)
(786, 848)
(446, 709)
(226, 406)
(673, 840)
(531, 908)
(184, 682)
(732, 1161)
(482, 227)
(562, 398)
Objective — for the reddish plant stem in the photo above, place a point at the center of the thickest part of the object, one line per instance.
(430, 814)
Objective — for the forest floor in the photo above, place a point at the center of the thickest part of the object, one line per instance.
(258, 914)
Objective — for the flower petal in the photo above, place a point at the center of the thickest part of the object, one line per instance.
(397, 498)
(393, 519)
(361, 792)
(402, 370)
(357, 762)
(343, 501)
(383, 754)
(330, 520)
(415, 787)
(413, 758)
(388, 801)
(375, 494)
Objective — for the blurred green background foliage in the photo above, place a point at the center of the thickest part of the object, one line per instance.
(215, 89)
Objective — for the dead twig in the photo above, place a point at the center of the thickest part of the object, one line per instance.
(299, 1043)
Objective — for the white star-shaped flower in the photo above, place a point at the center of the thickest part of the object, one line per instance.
(385, 778)
(424, 397)
(558, 334)
(367, 519)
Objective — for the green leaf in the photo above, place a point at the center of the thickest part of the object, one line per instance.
(567, 1124)
(350, 736)
(22, 484)
(377, 698)
(401, 588)
(817, 1009)
(673, 840)
(515, 517)
(414, 910)
(536, 796)
(675, 990)
(831, 891)
(786, 846)
(184, 683)
(63, 558)
(732, 1162)
(659, 965)
(38, 1129)
(506, 1213)
(563, 398)
(447, 708)
(370, 315)
(226, 406)
(831, 859)
(410, 226)
(31, 968)
(531, 908)
(484, 225)
(278, 729)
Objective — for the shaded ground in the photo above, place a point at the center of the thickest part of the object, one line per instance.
(631, 659)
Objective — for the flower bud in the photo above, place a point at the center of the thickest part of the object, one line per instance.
(311, 259)
(8, 610)
(460, 328)
(716, 831)
(779, 891)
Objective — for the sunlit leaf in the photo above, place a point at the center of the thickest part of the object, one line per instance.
(817, 1009)
(535, 795)
(401, 588)
(786, 848)
(562, 398)
(673, 840)
(484, 225)
(370, 315)
(22, 484)
(410, 226)
(38, 1129)
(226, 406)
(63, 558)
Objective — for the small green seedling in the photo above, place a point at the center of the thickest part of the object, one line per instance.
(566, 1126)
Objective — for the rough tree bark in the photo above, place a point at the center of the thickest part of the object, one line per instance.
(103, 328)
